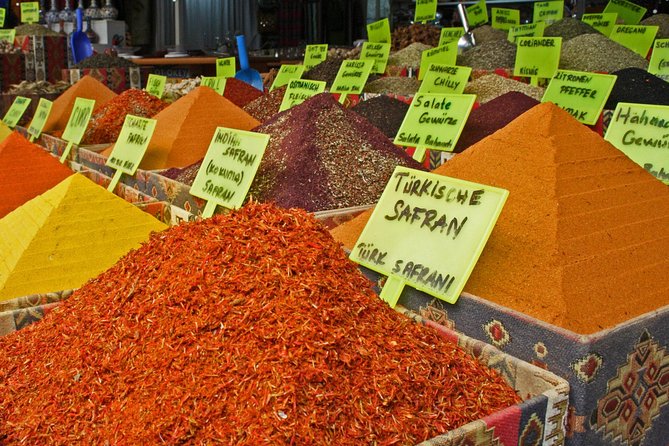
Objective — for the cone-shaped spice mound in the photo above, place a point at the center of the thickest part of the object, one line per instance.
(321, 156)
(69, 234)
(247, 328)
(26, 171)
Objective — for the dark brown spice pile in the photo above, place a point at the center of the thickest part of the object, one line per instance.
(384, 112)
(404, 36)
(247, 328)
(266, 105)
(325, 71)
(638, 87)
(102, 60)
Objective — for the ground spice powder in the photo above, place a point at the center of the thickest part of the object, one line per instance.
(384, 112)
(239, 92)
(247, 328)
(26, 171)
(266, 105)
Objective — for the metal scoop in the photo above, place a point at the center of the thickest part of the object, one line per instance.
(466, 42)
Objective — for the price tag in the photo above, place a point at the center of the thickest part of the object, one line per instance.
(298, 91)
(30, 12)
(228, 168)
(641, 132)
(450, 34)
(379, 32)
(77, 123)
(444, 55)
(635, 37)
(603, 23)
(580, 93)
(8, 35)
(215, 83)
(155, 85)
(377, 52)
(505, 18)
(537, 57)
(130, 147)
(16, 110)
(477, 14)
(351, 77)
(529, 30)
(286, 74)
(628, 12)
(3, 12)
(428, 231)
(434, 121)
(225, 67)
(39, 118)
(445, 79)
(548, 12)
(659, 60)
(426, 11)
(315, 54)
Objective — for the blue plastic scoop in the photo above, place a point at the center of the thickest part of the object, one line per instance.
(81, 45)
(247, 74)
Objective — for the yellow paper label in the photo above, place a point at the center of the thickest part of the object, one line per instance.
(315, 54)
(78, 121)
(225, 67)
(445, 79)
(16, 110)
(659, 60)
(131, 144)
(30, 12)
(477, 14)
(378, 52)
(635, 37)
(8, 34)
(286, 74)
(529, 30)
(505, 18)
(215, 83)
(3, 12)
(298, 91)
(603, 23)
(40, 117)
(537, 56)
(155, 85)
(548, 12)
(352, 76)
(444, 55)
(379, 31)
(628, 12)
(426, 10)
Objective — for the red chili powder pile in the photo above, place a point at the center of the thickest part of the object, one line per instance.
(247, 328)
(239, 92)
(583, 238)
(26, 171)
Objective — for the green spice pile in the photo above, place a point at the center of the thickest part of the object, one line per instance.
(661, 20)
(568, 28)
(246, 328)
(404, 36)
(324, 71)
(409, 56)
(595, 52)
(266, 105)
(487, 33)
(34, 29)
(489, 55)
(403, 86)
(102, 60)
(490, 86)
(384, 112)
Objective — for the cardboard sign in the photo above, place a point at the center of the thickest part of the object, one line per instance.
(8, 35)
(445, 79)
(659, 60)
(638, 38)
(444, 55)
(155, 85)
(450, 34)
(352, 76)
(298, 91)
(378, 53)
(628, 12)
(505, 18)
(39, 118)
(16, 110)
(581, 94)
(641, 132)
(30, 12)
(428, 231)
(379, 32)
(548, 12)
(529, 30)
(315, 54)
(228, 168)
(215, 83)
(77, 123)
(537, 56)
(225, 67)
(426, 10)
(603, 23)
(286, 74)
(477, 14)
(3, 13)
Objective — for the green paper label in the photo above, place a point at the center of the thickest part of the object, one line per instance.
(131, 144)
(450, 34)
(229, 167)
(40, 117)
(580, 93)
(286, 74)
(445, 79)
(16, 110)
(78, 121)
(379, 32)
(659, 60)
(155, 85)
(3, 12)
(377, 52)
(435, 121)
(603, 23)
(637, 38)
(537, 56)
(641, 132)
(8, 35)
(298, 91)
(426, 11)
(225, 67)
(505, 18)
(443, 55)
(477, 14)
(628, 12)
(352, 76)
(30, 12)
(215, 83)
(429, 230)
(529, 30)
(315, 54)
(548, 12)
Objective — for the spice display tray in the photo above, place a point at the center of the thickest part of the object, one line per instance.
(619, 377)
